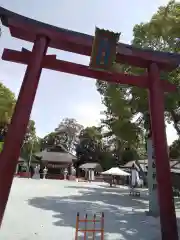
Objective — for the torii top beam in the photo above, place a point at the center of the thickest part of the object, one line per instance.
(25, 28)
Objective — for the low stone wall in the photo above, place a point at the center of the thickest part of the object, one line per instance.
(24, 175)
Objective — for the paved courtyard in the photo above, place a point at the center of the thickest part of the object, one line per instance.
(46, 210)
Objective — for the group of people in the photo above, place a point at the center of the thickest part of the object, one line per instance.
(37, 173)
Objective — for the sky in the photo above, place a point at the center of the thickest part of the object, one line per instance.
(61, 95)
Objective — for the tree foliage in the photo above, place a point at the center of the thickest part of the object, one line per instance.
(160, 33)
(92, 148)
(68, 131)
(121, 129)
(65, 134)
(7, 103)
(90, 144)
(174, 149)
(31, 142)
(126, 106)
(49, 140)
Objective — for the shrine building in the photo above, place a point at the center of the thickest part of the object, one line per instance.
(57, 160)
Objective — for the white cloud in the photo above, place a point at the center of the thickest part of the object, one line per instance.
(89, 114)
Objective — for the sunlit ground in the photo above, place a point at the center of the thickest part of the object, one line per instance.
(46, 210)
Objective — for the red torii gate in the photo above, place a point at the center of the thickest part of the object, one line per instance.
(44, 36)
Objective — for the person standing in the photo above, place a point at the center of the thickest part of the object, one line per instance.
(134, 176)
(45, 170)
(36, 172)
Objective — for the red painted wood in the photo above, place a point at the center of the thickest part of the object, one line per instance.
(50, 62)
(78, 37)
(78, 44)
(17, 129)
(82, 44)
(165, 194)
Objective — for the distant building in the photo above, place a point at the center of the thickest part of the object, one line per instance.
(143, 167)
(57, 160)
(143, 164)
(91, 170)
(21, 165)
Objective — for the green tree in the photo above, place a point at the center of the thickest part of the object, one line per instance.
(7, 103)
(68, 131)
(1, 146)
(93, 147)
(49, 140)
(174, 149)
(31, 142)
(119, 123)
(160, 33)
(90, 144)
(66, 134)
(127, 107)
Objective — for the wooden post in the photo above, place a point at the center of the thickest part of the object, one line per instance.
(17, 129)
(94, 227)
(165, 194)
(102, 226)
(85, 227)
(77, 226)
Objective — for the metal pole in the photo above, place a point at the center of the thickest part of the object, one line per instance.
(17, 128)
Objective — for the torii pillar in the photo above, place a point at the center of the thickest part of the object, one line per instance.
(28, 29)
(20, 119)
(165, 193)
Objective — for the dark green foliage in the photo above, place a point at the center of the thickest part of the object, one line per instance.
(126, 120)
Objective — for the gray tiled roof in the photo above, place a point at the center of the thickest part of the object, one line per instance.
(54, 156)
(21, 159)
(129, 164)
(174, 164)
(95, 166)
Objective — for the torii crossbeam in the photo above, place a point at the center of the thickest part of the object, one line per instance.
(44, 36)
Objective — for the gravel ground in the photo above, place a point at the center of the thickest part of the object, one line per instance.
(46, 210)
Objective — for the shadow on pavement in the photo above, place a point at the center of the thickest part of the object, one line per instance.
(124, 215)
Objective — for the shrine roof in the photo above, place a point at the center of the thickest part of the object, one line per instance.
(174, 164)
(56, 154)
(95, 166)
(25, 28)
(20, 159)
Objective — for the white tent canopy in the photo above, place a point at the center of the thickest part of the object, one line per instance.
(115, 171)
